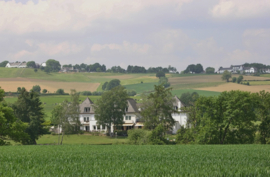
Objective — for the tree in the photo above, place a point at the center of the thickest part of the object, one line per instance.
(66, 116)
(31, 64)
(226, 119)
(210, 70)
(190, 68)
(189, 99)
(226, 75)
(19, 89)
(36, 88)
(3, 63)
(113, 83)
(10, 126)
(160, 74)
(234, 79)
(44, 91)
(263, 113)
(198, 68)
(111, 107)
(52, 65)
(60, 91)
(157, 108)
(28, 108)
(239, 79)
(164, 81)
(104, 86)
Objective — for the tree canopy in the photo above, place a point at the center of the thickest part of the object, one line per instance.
(210, 70)
(36, 88)
(157, 108)
(112, 84)
(198, 68)
(3, 63)
(160, 74)
(226, 75)
(31, 64)
(111, 107)
(52, 66)
(189, 99)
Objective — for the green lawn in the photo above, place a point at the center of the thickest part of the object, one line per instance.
(200, 92)
(128, 160)
(80, 139)
(141, 87)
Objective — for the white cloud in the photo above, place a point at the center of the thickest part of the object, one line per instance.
(241, 8)
(71, 15)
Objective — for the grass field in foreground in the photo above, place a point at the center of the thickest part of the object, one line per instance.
(122, 160)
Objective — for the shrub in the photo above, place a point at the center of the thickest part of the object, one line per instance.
(60, 91)
(157, 136)
(234, 79)
(44, 91)
(36, 88)
(132, 93)
(86, 93)
(138, 136)
(185, 136)
(121, 132)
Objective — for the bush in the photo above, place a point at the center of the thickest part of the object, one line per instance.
(234, 79)
(44, 91)
(36, 88)
(60, 92)
(138, 136)
(157, 136)
(121, 132)
(185, 136)
(95, 93)
(132, 93)
(86, 93)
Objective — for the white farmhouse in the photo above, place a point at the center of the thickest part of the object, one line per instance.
(16, 65)
(181, 117)
(250, 70)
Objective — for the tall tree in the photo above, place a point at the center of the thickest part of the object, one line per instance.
(198, 68)
(52, 65)
(36, 88)
(263, 112)
(66, 116)
(3, 63)
(226, 75)
(157, 108)
(111, 107)
(10, 126)
(31, 64)
(28, 108)
(160, 74)
(210, 70)
(112, 84)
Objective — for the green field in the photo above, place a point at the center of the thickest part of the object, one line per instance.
(122, 160)
(259, 82)
(200, 92)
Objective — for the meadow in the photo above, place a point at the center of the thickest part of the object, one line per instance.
(122, 160)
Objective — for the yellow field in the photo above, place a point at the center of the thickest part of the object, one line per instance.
(234, 86)
(11, 84)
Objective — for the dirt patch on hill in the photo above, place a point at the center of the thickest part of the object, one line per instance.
(234, 86)
(13, 83)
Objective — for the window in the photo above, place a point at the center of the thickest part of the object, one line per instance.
(176, 108)
(87, 109)
(87, 119)
(84, 119)
(126, 109)
(94, 127)
(128, 117)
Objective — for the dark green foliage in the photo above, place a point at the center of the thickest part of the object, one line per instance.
(111, 107)
(36, 88)
(86, 93)
(185, 136)
(116, 69)
(157, 136)
(226, 75)
(189, 99)
(131, 93)
(96, 93)
(31, 64)
(28, 108)
(19, 89)
(60, 91)
(239, 79)
(256, 65)
(157, 108)
(160, 74)
(112, 84)
(35, 70)
(234, 79)
(194, 68)
(210, 70)
(10, 126)
(157, 69)
(44, 91)
(52, 66)
(97, 68)
(104, 86)
(136, 69)
(138, 136)
(164, 81)
(3, 63)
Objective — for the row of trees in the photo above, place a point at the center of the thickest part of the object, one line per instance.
(228, 119)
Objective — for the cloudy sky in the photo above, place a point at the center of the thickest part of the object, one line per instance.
(136, 32)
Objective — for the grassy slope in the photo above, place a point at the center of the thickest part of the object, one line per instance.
(85, 160)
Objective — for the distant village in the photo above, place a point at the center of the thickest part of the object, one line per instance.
(240, 69)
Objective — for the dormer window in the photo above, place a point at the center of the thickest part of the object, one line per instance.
(176, 108)
(126, 109)
(87, 109)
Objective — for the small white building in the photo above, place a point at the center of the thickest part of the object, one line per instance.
(180, 118)
(250, 70)
(43, 64)
(16, 65)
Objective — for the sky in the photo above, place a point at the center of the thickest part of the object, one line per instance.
(147, 33)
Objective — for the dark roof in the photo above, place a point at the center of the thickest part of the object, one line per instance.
(87, 103)
(132, 106)
(178, 100)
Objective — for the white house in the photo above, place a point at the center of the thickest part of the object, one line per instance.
(43, 64)
(250, 70)
(181, 117)
(232, 69)
(16, 65)
(131, 118)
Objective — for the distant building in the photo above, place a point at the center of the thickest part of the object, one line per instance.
(250, 70)
(43, 64)
(16, 65)
(232, 69)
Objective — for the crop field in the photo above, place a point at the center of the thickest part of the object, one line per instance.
(121, 160)
(234, 86)
(259, 82)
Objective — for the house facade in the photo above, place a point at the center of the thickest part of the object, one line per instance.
(16, 65)
(250, 70)
(131, 119)
(232, 69)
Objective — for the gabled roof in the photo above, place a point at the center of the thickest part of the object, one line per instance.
(87, 103)
(178, 100)
(132, 106)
